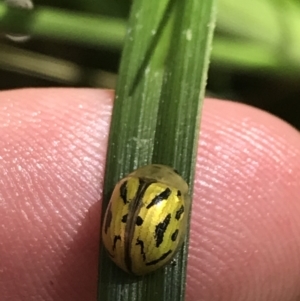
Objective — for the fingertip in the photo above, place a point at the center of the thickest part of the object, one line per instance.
(246, 206)
(52, 155)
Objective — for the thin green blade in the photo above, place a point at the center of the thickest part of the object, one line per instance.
(156, 120)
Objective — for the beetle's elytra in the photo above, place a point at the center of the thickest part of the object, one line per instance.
(146, 219)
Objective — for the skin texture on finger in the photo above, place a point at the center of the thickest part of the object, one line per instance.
(245, 241)
(244, 233)
(52, 150)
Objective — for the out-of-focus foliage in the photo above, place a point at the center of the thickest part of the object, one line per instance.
(255, 59)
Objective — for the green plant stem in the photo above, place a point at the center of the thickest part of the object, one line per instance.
(156, 120)
(94, 30)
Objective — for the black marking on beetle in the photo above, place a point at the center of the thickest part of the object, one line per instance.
(179, 213)
(139, 221)
(162, 257)
(159, 198)
(108, 219)
(174, 235)
(124, 218)
(141, 183)
(134, 208)
(116, 238)
(160, 230)
(178, 193)
(123, 192)
(141, 243)
(176, 171)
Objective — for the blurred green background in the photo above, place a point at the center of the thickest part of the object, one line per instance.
(255, 57)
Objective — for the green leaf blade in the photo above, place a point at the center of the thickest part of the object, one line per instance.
(156, 120)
